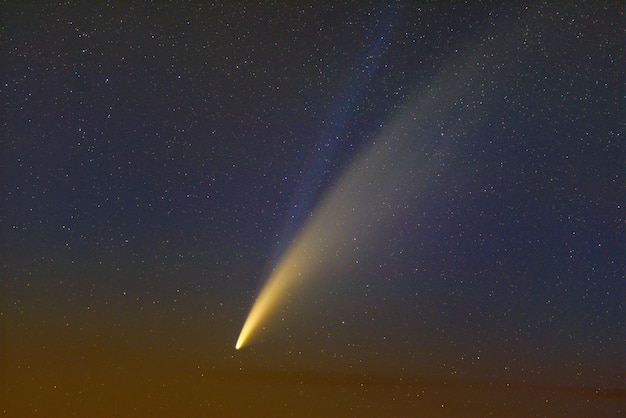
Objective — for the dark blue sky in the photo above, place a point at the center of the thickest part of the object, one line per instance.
(158, 159)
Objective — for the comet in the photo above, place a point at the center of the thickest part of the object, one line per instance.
(364, 203)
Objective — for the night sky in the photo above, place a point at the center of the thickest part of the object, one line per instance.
(461, 164)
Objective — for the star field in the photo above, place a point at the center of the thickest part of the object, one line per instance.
(159, 160)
